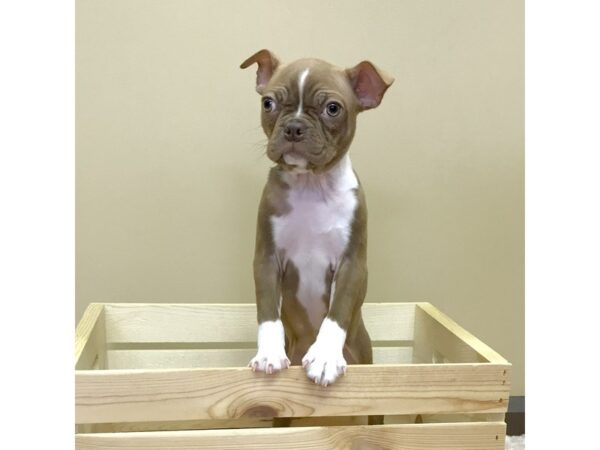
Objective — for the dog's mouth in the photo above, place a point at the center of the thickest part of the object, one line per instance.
(291, 164)
(295, 158)
(298, 157)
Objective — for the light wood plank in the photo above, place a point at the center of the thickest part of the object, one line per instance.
(389, 321)
(209, 323)
(460, 436)
(188, 394)
(123, 427)
(180, 323)
(295, 422)
(178, 359)
(392, 355)
(446, 323)
(435, 344)
(90, 338)
(444, 418)
(440, 341)
(192, 358)
(222, 424)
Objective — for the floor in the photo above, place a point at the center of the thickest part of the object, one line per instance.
(515, 442)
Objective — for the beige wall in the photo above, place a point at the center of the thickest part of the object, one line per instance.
(170, 158)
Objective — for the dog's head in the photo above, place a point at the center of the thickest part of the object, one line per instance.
(309, 107)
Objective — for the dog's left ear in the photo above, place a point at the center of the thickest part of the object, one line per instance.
(369, 83)
(267, 63)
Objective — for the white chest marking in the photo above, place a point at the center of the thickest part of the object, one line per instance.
(301, 81)
(314, 234)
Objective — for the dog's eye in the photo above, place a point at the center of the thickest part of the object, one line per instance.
(333, 108)
(268, 104)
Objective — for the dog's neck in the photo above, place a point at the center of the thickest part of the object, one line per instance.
(339, 178)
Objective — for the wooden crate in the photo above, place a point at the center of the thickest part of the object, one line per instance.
(170, 376)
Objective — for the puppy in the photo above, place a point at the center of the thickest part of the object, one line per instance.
(310, 262)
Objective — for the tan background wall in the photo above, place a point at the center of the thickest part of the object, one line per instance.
(170, 158)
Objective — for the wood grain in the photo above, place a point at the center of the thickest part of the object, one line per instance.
(90, 339)
(229, 393)
(157, 349)
(295, 422)
(460, 436)
(452, 340)
(192, 358)
(225, 424)
(212, 323)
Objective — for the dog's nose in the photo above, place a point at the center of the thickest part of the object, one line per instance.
(294, 130)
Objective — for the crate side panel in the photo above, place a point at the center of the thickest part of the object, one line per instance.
(294, 422)
(439, 320)
(464, 436)
(445, 418)
(196, 358)
(222, 424)
(180, 323)
(436, 344)
(90, 339)
(179, 359)
(188, 394)
(389, 321)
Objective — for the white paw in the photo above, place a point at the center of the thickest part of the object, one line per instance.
(271, 355)
(272, 360)
(324, 361)
(324, 364)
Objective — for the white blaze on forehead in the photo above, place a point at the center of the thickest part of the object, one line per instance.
(301, 81)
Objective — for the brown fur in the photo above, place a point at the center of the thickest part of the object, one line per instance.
(325, 142)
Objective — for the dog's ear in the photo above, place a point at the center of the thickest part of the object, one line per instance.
(267, 63)
(369, 83)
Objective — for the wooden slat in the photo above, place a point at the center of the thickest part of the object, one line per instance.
(188, 394)
(444, 418)
(392, 355)
(435, 344)
(178, 359)
(202, 358)
(453, 329)
(389, 321)
(439, 340)
(90, 338)
(461, 436)
(295, 422)
(123, 427)
(180, 323)
(175, 323)
(223, 424)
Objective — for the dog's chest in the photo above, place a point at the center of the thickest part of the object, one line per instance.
(313, 236)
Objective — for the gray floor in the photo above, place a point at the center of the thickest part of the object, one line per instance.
(515, 442)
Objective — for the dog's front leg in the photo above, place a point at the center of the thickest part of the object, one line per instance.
(271, 356)
(325, 361)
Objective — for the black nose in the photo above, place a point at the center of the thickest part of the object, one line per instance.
(294, 130)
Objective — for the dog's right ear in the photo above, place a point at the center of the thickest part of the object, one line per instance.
(369, 83)
(267, 63)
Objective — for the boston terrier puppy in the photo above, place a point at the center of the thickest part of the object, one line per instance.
(310, 262)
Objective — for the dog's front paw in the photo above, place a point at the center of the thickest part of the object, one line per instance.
(324, 364)
(269, 361)
(271, 355)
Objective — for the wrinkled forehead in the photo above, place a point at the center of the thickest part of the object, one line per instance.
(308, 77)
